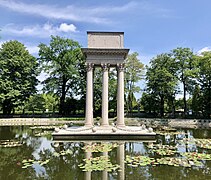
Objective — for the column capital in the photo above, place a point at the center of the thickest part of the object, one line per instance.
(120, 67)
(105, 67)
(89, 66)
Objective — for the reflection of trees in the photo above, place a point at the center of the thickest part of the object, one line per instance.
(11, 158)
(64, 167)
(9, 163)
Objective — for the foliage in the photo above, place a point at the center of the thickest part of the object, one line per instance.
(161, 80)
(35, 103)
(100, 163)
(30, 162)
(162, 150)
(18, 71)
(149, 102)
(99, 147)
(134, 71)
(204, 79)
(10, 143)
(196, 101)
(139, 161)
(51, 101)
(185, 66)
(63, 61)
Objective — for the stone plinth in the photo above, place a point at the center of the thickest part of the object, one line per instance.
(104, 133)
(112, 40)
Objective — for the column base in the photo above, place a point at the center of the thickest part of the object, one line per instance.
(120, 125)
(104, 125)
(88, 125)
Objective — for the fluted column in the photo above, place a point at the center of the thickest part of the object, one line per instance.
(105, 68)
(120, 95)
(89, 95)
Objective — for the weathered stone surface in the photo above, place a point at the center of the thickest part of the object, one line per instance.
(105, 39)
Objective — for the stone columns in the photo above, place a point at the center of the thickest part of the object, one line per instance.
(105, 68)
(120, 96)
(89, 95)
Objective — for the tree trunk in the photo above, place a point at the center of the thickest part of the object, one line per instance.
(161, 105)
(62, 98)
(184, 99)
(7, 107)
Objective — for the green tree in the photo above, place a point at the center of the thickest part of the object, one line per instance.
(204, 79)
(18, 71)
(185, 65)
(196, 101)
(161, 80)
(149, 102)
(35, 103)
(134, 71)
(63, 61)
(51, 101)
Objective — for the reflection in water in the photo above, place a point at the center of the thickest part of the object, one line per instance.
(120, 160)
(66, 166)
(88, 155)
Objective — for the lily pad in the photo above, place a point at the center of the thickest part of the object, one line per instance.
(10, 143)
(139, 161)
(100, 163)
(100, 147)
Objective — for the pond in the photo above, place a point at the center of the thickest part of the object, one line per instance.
(30, 153)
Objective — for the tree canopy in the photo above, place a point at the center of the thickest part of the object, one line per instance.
(18, 75)
(63, 61)
(134, 71)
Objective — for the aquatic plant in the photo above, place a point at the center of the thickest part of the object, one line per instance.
(10, 143)
(106, 147)
(136, 161)
(100, 163)
(162, 149)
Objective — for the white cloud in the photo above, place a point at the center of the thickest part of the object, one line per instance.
(90, 14)
(80, 14)
(32, 49)
(67, 27)
(43, 31)
(208, 48)
(1, 42)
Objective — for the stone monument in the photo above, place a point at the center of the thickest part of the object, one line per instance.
(105, 50)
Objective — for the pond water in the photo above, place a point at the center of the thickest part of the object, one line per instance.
(27, 153)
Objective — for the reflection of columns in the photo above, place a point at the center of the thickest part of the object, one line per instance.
(105, 173)
(89, 95)
(121, 160)
(105, 68)
(88, 155)
(120, 95)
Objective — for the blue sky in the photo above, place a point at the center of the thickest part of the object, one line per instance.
(151, 26)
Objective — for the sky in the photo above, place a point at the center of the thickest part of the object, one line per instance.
(150, 27)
